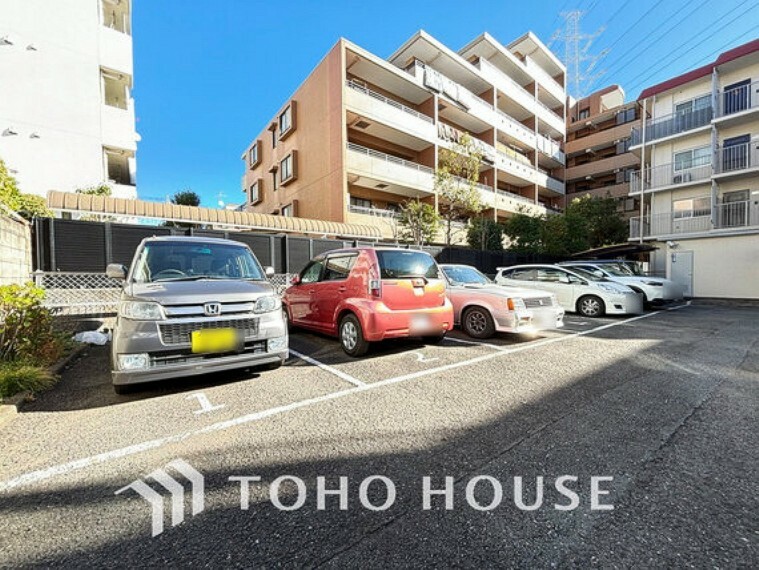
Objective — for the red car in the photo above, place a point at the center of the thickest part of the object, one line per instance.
(363, 295)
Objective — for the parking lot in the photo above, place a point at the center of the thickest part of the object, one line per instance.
(664, 403)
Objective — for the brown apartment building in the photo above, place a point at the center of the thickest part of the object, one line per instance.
(599, 162)
(362, 134)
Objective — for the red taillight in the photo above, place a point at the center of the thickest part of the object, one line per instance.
(510, 304)
(375, 284)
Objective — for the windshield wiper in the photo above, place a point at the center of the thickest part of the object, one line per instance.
(190, 278)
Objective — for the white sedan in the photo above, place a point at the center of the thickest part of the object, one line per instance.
(481, 308)
(577, 290)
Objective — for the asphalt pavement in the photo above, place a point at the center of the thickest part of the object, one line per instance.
(657, 413)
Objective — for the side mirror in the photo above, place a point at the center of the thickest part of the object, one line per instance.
(116, 271)
(598, 273)
(295, 280)
(269, 271)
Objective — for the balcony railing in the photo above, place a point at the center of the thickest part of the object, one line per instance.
(740, 98)
(666, 175)
(738, 157)
(379, 97)
(378, 212)
(516, 197)
(673, 124)
(388, 158)
(726, 215)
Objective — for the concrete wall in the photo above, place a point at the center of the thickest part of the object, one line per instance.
(51, 94)
(15, 251)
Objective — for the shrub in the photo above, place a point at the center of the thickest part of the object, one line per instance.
(18, 377)
(26, 327)
(27, 205)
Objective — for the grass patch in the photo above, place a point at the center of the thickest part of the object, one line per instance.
(18, 377)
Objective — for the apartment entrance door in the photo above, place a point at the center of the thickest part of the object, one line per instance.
(682, 270)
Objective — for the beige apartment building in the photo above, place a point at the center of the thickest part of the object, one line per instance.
(699, 187)
(599, 161)
(362, 134)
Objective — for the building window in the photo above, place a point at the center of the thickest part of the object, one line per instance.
(274, 180)
(584, 113)
(255, 192)
(286, 121)
(273, 129)
(360, 202)
(696, 104)
(288, 168)
(287, 211)
(692, 207)
(116, 16)
(692, 158)
(254, 154)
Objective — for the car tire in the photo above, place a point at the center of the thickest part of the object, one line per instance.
(123, 389)
(591, 306)
(477, 322)
(352, 337)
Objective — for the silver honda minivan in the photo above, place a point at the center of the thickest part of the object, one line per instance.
(193, 305)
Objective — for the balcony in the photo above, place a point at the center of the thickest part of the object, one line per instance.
(389, 173)
(545, 80)
(737, 102)
(672, 125)
(378, 107)
(666, 176)
(727, 216)
(117, 127)
(602, 166)
(115, 50)
(599, 139)
(738, 160)
(374, 212)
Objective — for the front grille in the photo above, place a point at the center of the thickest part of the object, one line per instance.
(175, 357)
(179, 333)
(538, 302)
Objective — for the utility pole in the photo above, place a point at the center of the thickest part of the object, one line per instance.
(580, 63)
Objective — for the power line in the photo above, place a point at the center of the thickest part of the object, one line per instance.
(638, 21)
(677, 55)
(575, 54)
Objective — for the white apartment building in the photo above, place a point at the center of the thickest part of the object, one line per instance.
(363, 134)
(66, 113)
(699, 150)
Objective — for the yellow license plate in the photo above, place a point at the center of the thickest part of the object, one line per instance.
(214, 340)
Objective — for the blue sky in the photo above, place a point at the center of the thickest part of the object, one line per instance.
(210, 74)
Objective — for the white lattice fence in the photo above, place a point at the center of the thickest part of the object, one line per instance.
(69, 293)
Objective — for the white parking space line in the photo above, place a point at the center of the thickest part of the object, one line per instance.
(64, 468)
(327, 368)
(462, 341)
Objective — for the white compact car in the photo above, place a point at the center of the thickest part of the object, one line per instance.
(481, 308)
(655, 289)
(576, 289)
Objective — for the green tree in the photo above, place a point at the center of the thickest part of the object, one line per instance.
(186, 198)
(604, 225)
(419, 222)
(485, 234)
(525, 232)
(27, 205)
(456, 179)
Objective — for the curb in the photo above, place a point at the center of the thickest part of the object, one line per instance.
(11, 406)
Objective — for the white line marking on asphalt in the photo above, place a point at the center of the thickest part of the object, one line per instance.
(205, 405)
(64, 468)
(462, 341)
(421, 358)
(328, 368)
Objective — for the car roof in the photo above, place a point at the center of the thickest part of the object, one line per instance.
(535, 265)
(192, 239)
(368, 248)
(595, 261)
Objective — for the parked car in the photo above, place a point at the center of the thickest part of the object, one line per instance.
(481, 307)
(576, 289)
(363, 295)
(191, 306)
(654, 289)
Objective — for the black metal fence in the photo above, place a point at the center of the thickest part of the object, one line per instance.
(84, 246)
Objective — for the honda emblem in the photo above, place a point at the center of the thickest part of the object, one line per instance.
(212, 309)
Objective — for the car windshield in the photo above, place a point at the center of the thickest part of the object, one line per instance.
(460, 275)
(186, 261)
(396, 264)
(620, 270)
(586, 274)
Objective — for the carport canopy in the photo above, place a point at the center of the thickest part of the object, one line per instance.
(70, 202)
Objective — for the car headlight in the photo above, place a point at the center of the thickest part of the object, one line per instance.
(133, 361)
(609, 288)
(654, 283)
(141, 310)
(267, 304)
(515, 304)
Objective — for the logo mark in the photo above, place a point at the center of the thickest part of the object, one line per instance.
(176, 492)
(212, 309)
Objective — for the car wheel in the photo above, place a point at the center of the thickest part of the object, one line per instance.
(591, 306)
(478, 323)
(352, 337)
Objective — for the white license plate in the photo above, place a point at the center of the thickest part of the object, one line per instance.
(544, 320)
(420, 324)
